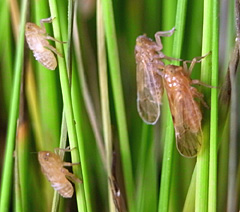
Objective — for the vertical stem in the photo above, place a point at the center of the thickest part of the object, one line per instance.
(115, 74)
(203, 157)
(212, 200)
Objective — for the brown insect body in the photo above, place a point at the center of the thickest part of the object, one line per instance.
(149, 83)
(153, 76)
(36, 38)
(57, 175)
(186, 113)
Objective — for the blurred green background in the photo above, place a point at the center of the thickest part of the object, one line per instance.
(126, 165)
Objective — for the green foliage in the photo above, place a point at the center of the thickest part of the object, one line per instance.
(89, 103)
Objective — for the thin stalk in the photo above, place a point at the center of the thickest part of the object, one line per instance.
(6, 183)
(75, 139)
(212, 201)
(47, 115)
(169, 138)
(116, 81)
(22, 157)
(232, 204)
(233, 147)
(63, 136)
(86, 95)
(47, 91)
(17, 190)
(103, 83)
(190, 198)
(203, 158)
(33, 105)
(6, 55)
(166, 167)
(141, 166)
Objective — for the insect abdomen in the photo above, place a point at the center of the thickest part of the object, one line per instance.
(65, 189)
(46, 58)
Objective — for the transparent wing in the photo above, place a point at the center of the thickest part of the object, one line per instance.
(187, 126)
(149, 93)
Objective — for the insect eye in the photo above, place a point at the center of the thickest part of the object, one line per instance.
(46, 156)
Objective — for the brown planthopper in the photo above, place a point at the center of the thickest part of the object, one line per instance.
(37, 40)
(53, 168)
(148, 57)
(185, 110)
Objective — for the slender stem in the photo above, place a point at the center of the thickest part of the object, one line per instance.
(212, 201)
(75, 140)
(169, 138)
(6, 183)
(203, 158)
(115, 74)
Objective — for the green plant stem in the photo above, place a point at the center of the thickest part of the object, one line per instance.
(166, 167)
(212, 200)
(47, 91)
(6, 54)
(6, 183)
(141, 166)
(74, 138)
(63, 137)
(169, 138)
(87, 97)
(203, 158)
(23, 158)
(106, 117)
(189, 202)
(115, 75)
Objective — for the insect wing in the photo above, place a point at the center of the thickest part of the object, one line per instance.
(188, 140)
(149, 93)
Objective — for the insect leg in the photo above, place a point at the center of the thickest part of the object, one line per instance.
(193, 62)
(45, 20)
(200, 96)
(160, 34)
(48, 37)
(70, 164)
(198, 82)
(159, 70)
(53, 49)
(71, 176)
(64, 149)
(172, 58)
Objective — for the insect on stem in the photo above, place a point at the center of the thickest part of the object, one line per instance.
(37, 40)
(153, 77)
(149, 56)
(53, 168)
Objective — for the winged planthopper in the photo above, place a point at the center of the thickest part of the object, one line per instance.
(153, 76)
(148, 55)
